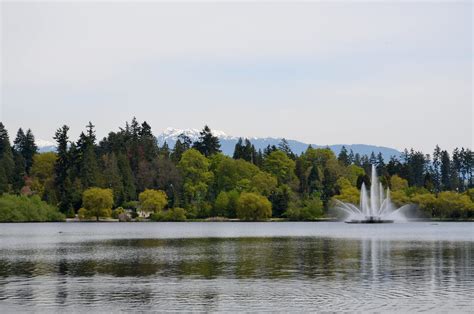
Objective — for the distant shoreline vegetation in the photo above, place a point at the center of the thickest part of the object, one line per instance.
(128, 176)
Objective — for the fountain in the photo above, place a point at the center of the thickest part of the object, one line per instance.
(374, 208)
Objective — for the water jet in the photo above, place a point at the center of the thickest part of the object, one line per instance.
(374, 207)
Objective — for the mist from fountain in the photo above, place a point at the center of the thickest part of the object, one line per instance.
(374, 207)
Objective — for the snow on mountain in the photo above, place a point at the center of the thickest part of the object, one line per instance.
(170, 135)
(45, 145)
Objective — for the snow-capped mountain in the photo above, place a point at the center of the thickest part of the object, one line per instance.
(45, 145)
(170, 136)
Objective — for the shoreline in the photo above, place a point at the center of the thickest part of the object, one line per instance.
(74, 220)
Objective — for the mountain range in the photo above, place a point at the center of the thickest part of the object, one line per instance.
(170, 135)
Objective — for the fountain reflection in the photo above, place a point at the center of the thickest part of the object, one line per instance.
(216, 274)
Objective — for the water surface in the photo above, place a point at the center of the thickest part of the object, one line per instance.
(237, 266)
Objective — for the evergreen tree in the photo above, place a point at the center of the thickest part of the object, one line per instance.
(357, 160)
(365, 163)
(445, 170)
(258, 159)
(343, 157)
(61, 169)
(380, 164)
(164, 151)
(186, 140)
(269, 149)
(373, 159)
(7, 163)
(314, 180)
(112, 178)
(456, 171)
(148, 144)
(468, 166)
(24, 144)
(436, 166)
(393, 166)
(351, 157)
(238, 150)
(284, 146)
(207, 144)
(88, 165)
(178, 150)
(129, 189)
(19, 172)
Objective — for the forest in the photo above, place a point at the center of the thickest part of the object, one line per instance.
(128, 175)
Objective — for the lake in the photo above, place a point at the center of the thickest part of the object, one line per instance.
(231, 266)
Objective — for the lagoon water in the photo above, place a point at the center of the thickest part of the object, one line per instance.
(283, 266)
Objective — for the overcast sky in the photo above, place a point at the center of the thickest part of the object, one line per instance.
(393, 74)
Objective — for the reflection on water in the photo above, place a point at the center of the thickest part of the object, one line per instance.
(243, 273)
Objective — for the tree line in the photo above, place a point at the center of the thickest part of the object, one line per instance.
(195, 180)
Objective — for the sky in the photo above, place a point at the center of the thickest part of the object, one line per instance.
(396, 74)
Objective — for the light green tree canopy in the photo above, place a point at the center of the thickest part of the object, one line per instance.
(98, 202)
(281, 166)
(348, 192)
(152, 201)
(197, 177)
(252, 206)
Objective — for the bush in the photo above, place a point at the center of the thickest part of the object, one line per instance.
(309, 209)
(252, 206)
(116, 212)
(173, 214)
(83, 213)
(15, 208)
(454, 205)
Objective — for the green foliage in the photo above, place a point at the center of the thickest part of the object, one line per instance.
(195, 169)
(251, 206)
(42, 173)
(112, 178)
(470, 193)
(26, 147)
(116, 212)
(98, 202)
(172, 214)
(427, 203)
(263, 183)
(348, 192)
(152, 201)
(353, 172)
(131, 205)
(207, 144)
(454, 205)
(447, 204)
(15, 208)
(308, 209)
(206, 183)
(281, 166)
(7, 164)
(225, 204)
(280, 200)
(397, 183)
(231, 174)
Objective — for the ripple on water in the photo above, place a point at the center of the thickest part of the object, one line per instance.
(317, 272)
